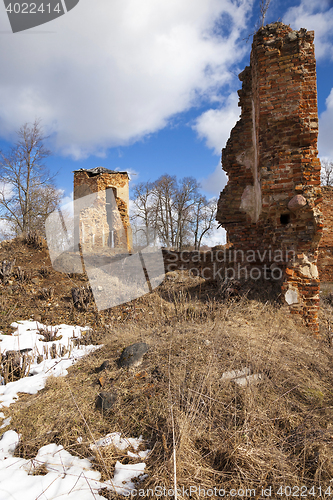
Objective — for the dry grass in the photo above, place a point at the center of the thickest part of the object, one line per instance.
(277, 432)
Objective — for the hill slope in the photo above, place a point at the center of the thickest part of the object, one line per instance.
(275, 431)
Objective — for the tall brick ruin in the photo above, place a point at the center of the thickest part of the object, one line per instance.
(269, 206)
(105, 225)
(325, 257)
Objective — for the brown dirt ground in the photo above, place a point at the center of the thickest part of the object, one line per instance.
(277, 432)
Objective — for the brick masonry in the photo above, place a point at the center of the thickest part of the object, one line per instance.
(270, 206)
(325, 257)
(106, 223)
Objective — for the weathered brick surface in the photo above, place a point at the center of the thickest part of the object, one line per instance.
(270, 158)
(325, 256)
(94, 229)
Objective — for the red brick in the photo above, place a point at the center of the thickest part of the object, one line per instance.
(285, 105)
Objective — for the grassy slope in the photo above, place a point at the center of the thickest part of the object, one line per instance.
(278, 432)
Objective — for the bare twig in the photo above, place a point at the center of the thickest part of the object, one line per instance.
(264, 4)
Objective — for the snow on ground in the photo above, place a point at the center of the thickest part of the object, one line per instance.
(116, 440)
(27, 335)
(66, 476)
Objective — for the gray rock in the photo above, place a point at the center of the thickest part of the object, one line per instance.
(292, 36)
(132, 355)
(233, 374)
(249, 380)
(104, 366)
(106, 400)
(297, 202)
(242, 377)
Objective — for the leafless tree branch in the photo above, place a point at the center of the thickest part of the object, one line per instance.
(326, 172)
(27, 192)
(264, 4)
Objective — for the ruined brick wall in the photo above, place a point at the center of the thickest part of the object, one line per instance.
(210, 265)
(270, 204)
(94, 223)
(325, 256)
(327, 214)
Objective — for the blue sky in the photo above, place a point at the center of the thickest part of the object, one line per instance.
(147, 86)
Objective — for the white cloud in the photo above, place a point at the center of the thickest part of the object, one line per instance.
(325, 145)
(5, 230)
(215, 124)
(217, 237)
(215, 182)
(115, 71)
(6, 189)
(67, 199)
(317, 16)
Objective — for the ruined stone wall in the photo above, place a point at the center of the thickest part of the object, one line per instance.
(94, 226)
(327, 214)
(325, 256)
(210, 265)
(270, 204)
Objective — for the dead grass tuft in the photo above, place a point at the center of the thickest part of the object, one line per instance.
(276, 432)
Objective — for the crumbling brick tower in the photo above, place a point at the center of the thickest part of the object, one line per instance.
(270, 204)
(325, 256)
(105, 225)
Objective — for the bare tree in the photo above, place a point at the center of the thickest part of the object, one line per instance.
(142, 218)
(164, 192)
(326, 172)
(174, 211)
(203, 219)
(44, 200)
(27, 192)
(264, 4)
(186, 198)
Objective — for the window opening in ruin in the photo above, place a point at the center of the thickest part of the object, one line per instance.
(111, 204)
(285, 219)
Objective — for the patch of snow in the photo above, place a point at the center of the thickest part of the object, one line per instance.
(27, 336)
(5, 422)
(123, 475)
(8, 442)
(116, 440)
(120, 443)
(67, 476)
(141, 454)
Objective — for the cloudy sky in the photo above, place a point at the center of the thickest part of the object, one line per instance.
(147, 86)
